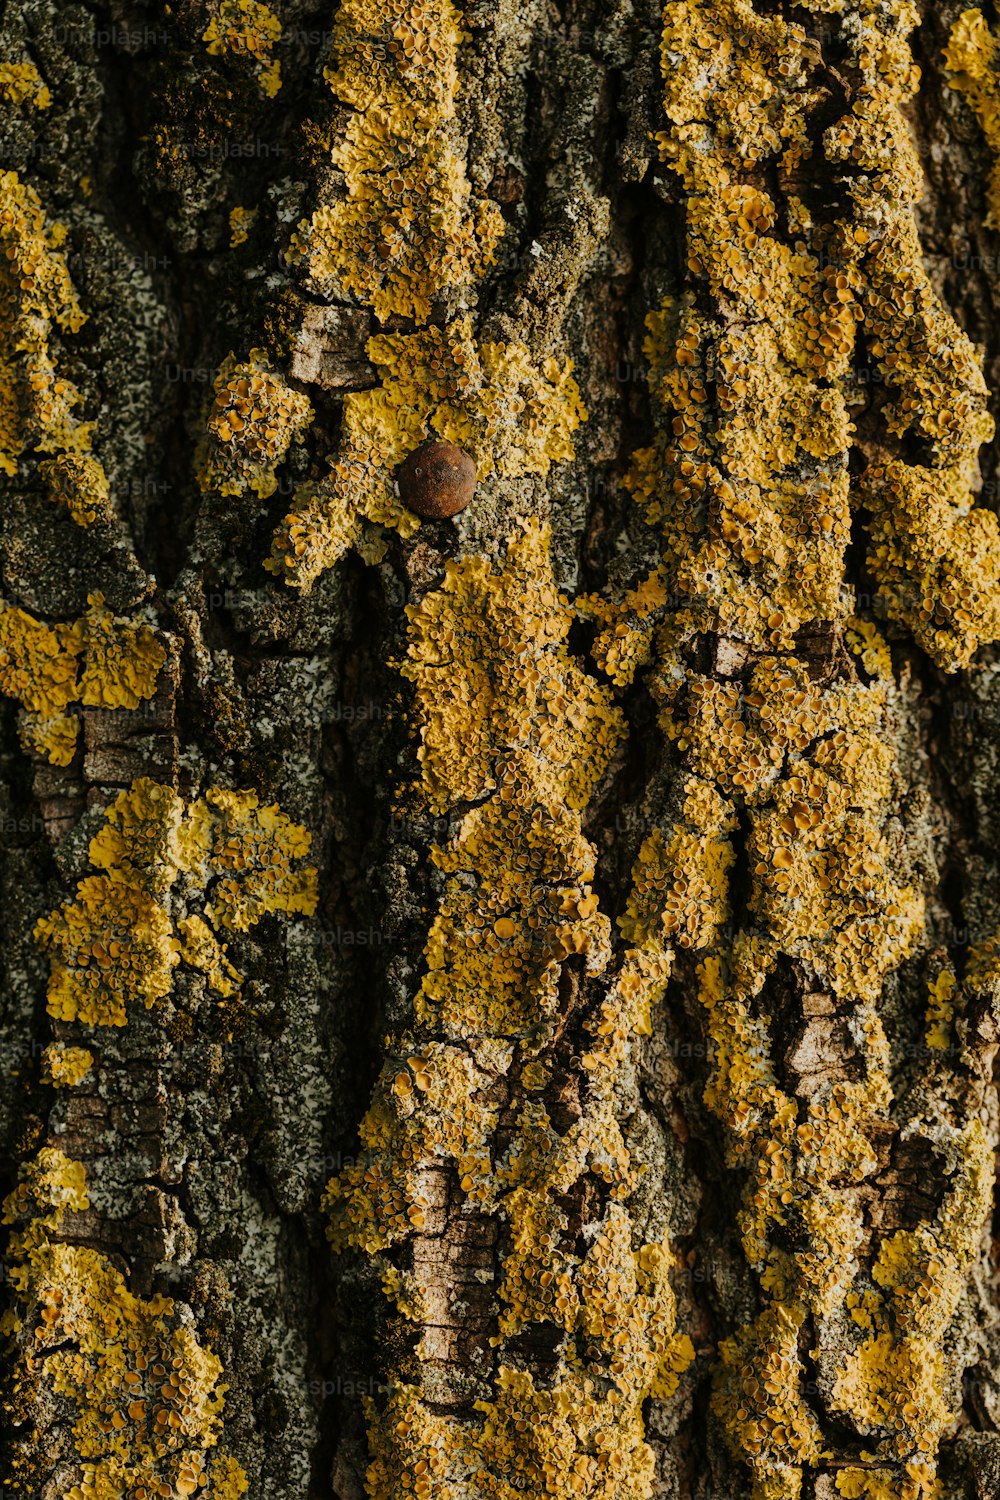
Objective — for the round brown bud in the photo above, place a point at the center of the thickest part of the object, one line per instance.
(437, 480)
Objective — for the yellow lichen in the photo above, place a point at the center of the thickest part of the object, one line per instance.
(408, 227)
(251, 861)
(491, 672)
(936, 560)
(758, 1396)
(866, 642)
(247, 28)
(753, 376)
(112, 946)
(490, 399)
(679, 885)
(498, 974)
(78, 482)
(776, 506)
(940, 1011)
(255, 418)
(37, 294)
(895, 1382)
(575, 1437)
(120, 662)
(21, 83)
(810, 772)
(241, 221)
(750, 488)
(116, 943)
(144, 1399)
(64, 1066)
(488, 653)
(99, 662)
(406, 233)
(915, 1481)
(971, 59)
(38, 662)
(626, 643)
(202, 950)
(51, 737)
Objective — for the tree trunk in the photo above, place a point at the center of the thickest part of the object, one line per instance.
(501, 984)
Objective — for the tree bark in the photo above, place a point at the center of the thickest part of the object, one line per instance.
(500, 1004)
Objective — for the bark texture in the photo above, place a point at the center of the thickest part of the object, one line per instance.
(500, 1006)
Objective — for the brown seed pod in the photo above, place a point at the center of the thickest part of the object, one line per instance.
(437, 480)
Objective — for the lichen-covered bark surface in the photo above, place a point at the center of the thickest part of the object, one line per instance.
(502, 1006)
